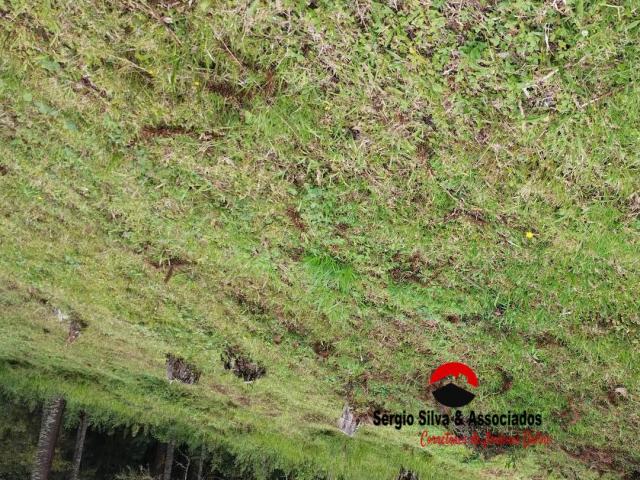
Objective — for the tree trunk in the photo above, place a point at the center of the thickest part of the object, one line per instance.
(168, 460)
(201, 463)
(186, 466)
(77, 452)
(157, 469)
(49, 429)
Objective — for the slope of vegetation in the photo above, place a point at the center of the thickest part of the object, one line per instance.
(349, 193)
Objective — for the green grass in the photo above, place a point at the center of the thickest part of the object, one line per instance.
(352, 174)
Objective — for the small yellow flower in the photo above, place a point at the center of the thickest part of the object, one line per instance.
(529, 235)
(196, 83)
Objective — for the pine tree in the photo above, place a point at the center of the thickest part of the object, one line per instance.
(77, 452)
(168, 460)
(203, 452)
(49, 429)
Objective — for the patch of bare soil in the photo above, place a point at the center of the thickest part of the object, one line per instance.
(507, 380)
(341, 229)
(249, 305)
(606, 460)
(86, 84)
(408, 268)
(617, 395)
(425, 153)
(35, 294)
(296, 219)
(170, 265)
(76, 325)
(634, 205)
(407, 475)
(75, 322)
(229, 91)
(475, 215)
(164, 131)
(323, 349)
(292, 326)
(499, 310)
(179, 369)
(296, 253)
(241, 365)
(546, 339)
(365, 413)
(414, 268)
(570, 415)
(470, 318)
(240, 96)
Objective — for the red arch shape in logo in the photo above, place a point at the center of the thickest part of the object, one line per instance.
(454, 369)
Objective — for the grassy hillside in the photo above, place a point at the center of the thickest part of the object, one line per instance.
(352, 193)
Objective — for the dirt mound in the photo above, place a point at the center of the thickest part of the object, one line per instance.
(407, 475)
(323, 348)
(179, 369)
(241, 365)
